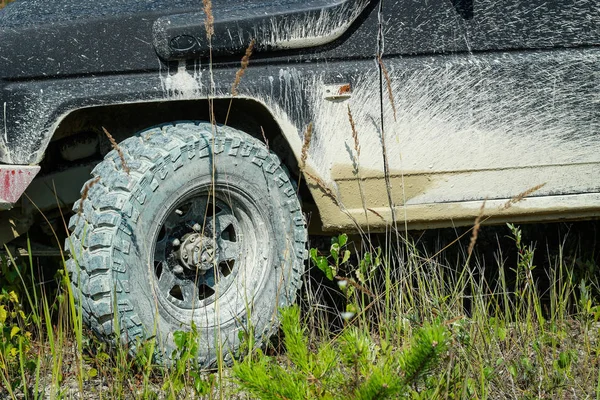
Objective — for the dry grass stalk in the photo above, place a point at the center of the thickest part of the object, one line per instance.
(305, 146)
(521, 196)
(264, 137)
(242, 70)
(376, 213)
(480, 218)
(354, 133)
(453, 320)
(86, 190)
(115, 146)
(209, 22)
(388, 82)
(476, 227)
(318, 182)
(357, 161)
(323, 187)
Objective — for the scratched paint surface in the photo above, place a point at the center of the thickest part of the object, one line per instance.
(14, 181)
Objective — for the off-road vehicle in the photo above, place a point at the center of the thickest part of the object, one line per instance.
(363, 115)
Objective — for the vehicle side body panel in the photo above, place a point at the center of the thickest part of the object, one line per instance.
(472, 103)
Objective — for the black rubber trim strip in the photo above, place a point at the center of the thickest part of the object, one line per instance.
(183, 36)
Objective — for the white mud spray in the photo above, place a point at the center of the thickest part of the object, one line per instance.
(28, 145)
(181, 84)
(4, 137)
(456, 118)
(479, 126)
(479, 123)
(322, 28)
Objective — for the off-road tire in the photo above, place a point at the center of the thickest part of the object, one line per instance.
(117, 226)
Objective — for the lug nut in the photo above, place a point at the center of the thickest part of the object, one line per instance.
(176, 242)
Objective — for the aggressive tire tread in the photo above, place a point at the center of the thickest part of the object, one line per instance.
(100, 237)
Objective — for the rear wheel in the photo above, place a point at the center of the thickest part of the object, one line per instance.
(192, 227)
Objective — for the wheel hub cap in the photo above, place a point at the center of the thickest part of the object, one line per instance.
(197, 252)
(199, 249)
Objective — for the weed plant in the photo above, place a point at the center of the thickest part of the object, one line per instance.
(403, 324)
(468, 335)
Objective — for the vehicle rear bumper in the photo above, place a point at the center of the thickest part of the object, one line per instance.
(14, 179)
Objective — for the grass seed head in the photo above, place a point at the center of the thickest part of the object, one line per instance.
(388, 83)
(305, 146)
(476, 228)
(354, 133)
(209, 22)
(115, 146)
(85, 193)
(521, 196)
(240, 72)
(376, 213)
(323, 187)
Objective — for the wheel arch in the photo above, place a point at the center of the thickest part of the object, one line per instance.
(246, 114)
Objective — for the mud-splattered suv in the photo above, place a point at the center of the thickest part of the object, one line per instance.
(361, 114)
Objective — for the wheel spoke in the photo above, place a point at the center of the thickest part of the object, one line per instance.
(188, 213)
(170, 223)
(197, 211)
(189, 292)
(228, 250)
(223, 221)
(160, 250)
(167, 280)
(209, 279)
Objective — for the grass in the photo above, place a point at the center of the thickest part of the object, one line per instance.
(376, 321)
